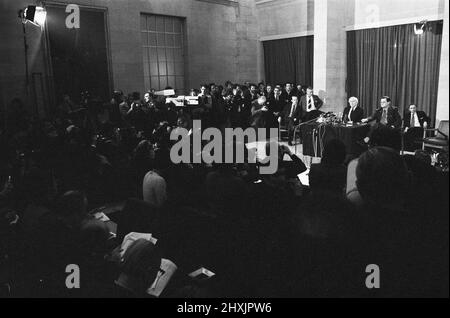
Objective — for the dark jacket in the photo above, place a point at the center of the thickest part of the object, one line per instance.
(393, 117)
(355, 116)
(297, 113)
(420, 115)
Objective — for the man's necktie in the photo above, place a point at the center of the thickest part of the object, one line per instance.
(309, 104)
(350, 114)
(384, 117)
(412, 123)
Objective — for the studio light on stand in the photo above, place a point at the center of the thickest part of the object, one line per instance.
(36, 15)
(419, 27)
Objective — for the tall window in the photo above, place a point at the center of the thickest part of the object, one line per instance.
(163, 51)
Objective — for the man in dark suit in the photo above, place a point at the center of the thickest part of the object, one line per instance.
(288, 93)
(414, 121)
(292, 115)
(386, 115)
(276, 103)
(310, 105)
(352, 113)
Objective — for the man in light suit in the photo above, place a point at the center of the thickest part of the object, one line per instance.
(310, 105)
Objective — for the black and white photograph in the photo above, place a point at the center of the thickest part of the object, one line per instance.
(224, 154)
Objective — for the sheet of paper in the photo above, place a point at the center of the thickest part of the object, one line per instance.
(168, 268)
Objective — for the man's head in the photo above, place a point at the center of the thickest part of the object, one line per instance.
(269, 88)
(294, 100)
(261, 86)
(299, 88)
(203, 89)
(253, 88)
(72, 206)
(412, 109)
(141, 264)
(385, 102)
(147, 97)
(262, 100)
(277, 90)
(136, 96)
(309, 91)
(382, 176)
(353, 101)
(288, 87)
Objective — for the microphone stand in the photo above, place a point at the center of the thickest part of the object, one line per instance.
(298, 127)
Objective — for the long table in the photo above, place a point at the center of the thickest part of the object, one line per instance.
(315, 136)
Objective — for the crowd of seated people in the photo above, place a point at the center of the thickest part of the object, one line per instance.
(262, 235)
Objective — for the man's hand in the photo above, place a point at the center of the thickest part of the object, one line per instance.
(285, 150)
(365, 120)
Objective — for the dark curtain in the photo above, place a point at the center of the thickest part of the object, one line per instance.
(78, 56)
(396, 62)
(289, 60)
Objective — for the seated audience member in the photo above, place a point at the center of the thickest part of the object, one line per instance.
(40, 191)
(140, 267)
(330, 174)
(258, 104)
(310, 105)
(269, 91)
(253, 91)
(352, 113)
(225, 191)
(56, 244)
(288, 93)
(394, 232)
(95, 244)
(300, 90)
(415, 121)
(204, 98)
(387, 115)
(276, 103)
(154, 186)
(292, 116)
(318, 251)
(288, 169)
(379, 136)
(143, 156)
(261, 89)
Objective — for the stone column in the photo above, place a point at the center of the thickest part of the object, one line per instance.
(330, 54)
(442, 101)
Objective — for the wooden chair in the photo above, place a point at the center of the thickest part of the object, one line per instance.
(440, 138)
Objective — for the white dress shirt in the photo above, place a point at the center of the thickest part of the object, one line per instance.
(415, 120)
